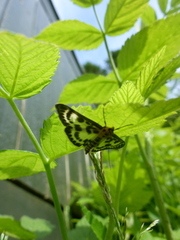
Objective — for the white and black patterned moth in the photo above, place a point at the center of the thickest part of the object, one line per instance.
(82, 131)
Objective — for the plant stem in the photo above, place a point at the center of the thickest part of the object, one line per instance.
(119, 179)
(57, 205)
(106, 194)
(28, 131)
(46, 163)
(107, 49)
(110, 228)
(111, 224)
(146, 155)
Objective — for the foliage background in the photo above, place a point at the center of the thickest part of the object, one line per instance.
(141, 76)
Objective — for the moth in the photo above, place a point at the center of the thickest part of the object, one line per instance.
(83, 131)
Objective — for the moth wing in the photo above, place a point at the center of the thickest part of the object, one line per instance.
(79, 129)
(113, 142)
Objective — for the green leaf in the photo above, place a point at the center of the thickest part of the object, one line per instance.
(176, 75)
(12, 228)
(82, 231)
(149, 16)
(40, 227)
(2, 93)
(163, 75)
(15, 163)
(140, 48)
(128, 93)
(54, 141)
(176, 234)
(26, 65)
(141, 118)
(174, 209)
(173, 11)
(163, 5)
(160, 94)
(86, 3)
(89, 88)
(121, 15)
(175, 3)
(134, 192)
(72, 34)
(148, 72)
(96, 226)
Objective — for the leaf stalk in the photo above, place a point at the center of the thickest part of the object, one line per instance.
(46, 163)
(147, 158)
(119, 81)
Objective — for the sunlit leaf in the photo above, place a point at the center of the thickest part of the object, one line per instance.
(149, 71)
(54, 140)
(149, 16)
(163, 75)
(128, 93)
(175, 3)
(72, 34)
(86, 3)
(89, 88)
(142, 118)
(121, 15)
(163, 5)
(15, 164)
(141, 47)
(26, 65)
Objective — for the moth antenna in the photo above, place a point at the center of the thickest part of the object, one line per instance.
(124, 126)
(104, 117)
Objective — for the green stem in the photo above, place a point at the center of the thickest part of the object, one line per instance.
(46, 163)
(106, 194)
(146, 155)
(110, 228)
(119, 179)
(119, 81)
(111, 224)
(28, 131)
(57, 205)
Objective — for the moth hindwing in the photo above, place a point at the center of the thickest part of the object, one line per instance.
(83, 131)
